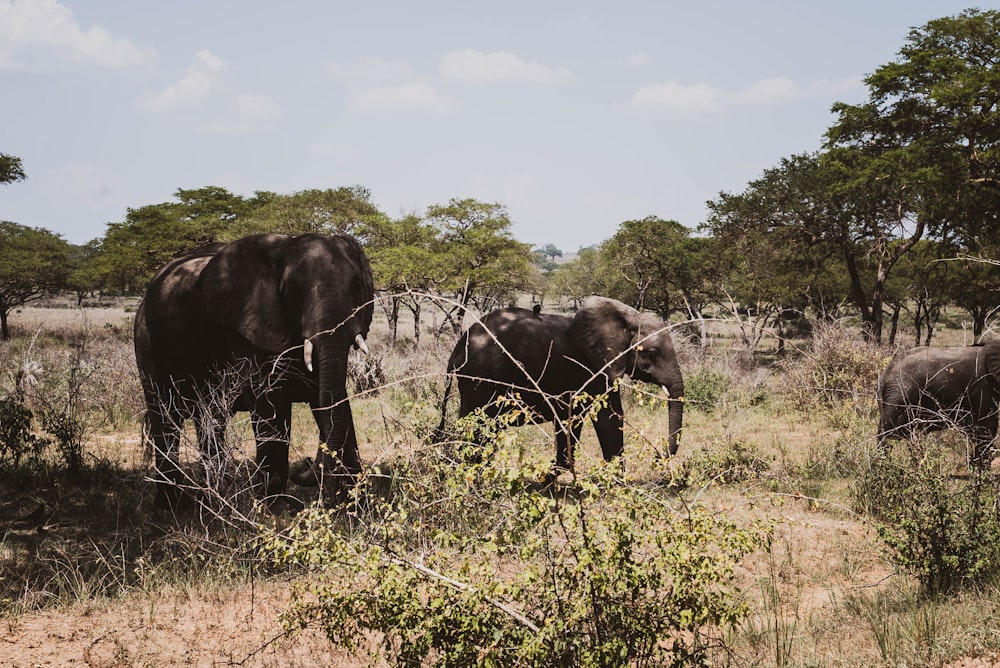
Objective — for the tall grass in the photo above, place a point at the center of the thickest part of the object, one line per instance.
(781, 442)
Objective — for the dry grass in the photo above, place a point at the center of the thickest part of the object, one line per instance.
(100, 582)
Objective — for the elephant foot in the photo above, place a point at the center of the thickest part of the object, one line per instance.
(552, 476)
(171, 499)
(304, 474)
(282, 504)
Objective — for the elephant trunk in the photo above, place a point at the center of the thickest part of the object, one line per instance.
(675, 415)
(337, 458)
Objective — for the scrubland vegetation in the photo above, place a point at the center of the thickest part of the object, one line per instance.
(777, 536)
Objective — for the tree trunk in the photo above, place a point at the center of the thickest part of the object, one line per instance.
(894, 327)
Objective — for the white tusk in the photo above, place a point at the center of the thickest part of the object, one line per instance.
(307, 354)
(665, 390)
(359, 342)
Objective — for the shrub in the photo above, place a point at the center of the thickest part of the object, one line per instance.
(837, 374)
(942, 529)
(727, 463)
(468, 565)
(703, 388)
(16, 438)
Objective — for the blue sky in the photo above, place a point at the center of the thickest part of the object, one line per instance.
(576, 115)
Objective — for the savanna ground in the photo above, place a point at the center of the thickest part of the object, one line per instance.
(89, 576)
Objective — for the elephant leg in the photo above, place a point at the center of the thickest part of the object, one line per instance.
(609, 425)
(567, 427)
(164, 432)
(272, 428)
(982, 443)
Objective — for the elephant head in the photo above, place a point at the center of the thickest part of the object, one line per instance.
(618, 340)
(310, 296)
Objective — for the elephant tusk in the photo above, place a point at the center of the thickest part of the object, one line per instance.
(359, 343)
(665, 390)
(307, 354)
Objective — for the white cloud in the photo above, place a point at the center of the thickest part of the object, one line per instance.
(673, 100)
(475, 67)
(775, 90)
(202, 79)
(637, 60)
(34, 33)
(412, 98)
(252, 112)
(370, 71)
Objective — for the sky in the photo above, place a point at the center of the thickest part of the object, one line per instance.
(576, 115)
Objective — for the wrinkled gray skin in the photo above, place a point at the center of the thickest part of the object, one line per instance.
(563, 355)
(929, 389)
(230, 327)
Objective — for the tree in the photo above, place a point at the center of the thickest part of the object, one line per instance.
(152, 235)
(33, 261)
(482, 261)
(580, 277)
(976, 286)
(923, 153)
(11, 169)
(85, 275)
(642, 257)
(405, 265)
(344, 210)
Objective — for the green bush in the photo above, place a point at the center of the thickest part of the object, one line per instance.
(17, 441)
(726, 463)
(703, 388)
(466, 564)
(942, 529)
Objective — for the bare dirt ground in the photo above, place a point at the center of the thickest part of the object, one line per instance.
(174, 629)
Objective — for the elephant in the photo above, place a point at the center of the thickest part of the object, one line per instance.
(547, 361)
(929, 389)
(254, 325)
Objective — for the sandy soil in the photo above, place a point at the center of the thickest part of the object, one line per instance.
(178, 629)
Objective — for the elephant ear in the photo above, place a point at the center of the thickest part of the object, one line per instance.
(241, 289)
(605, 329)
(991, 356)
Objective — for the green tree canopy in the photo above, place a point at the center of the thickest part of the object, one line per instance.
(922, 155)
(11, 169)
(481, 260)
(150, 236)
(344, 210)
(33, 261)
(580, 277)
(643, 252)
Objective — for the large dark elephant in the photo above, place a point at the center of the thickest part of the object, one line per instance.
(254, 325)
(547, 360)
(928, 389)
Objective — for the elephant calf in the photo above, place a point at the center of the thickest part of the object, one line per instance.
(928, 389)
(545, 361)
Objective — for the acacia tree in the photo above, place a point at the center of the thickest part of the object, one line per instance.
(922, 155)
(33, 261)
(152, 235)
(779, 246)
(405, 266)
(11, 169)
(482, 261)
(344, 210)
(643, 269)
(580, 277)
(976, 287)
